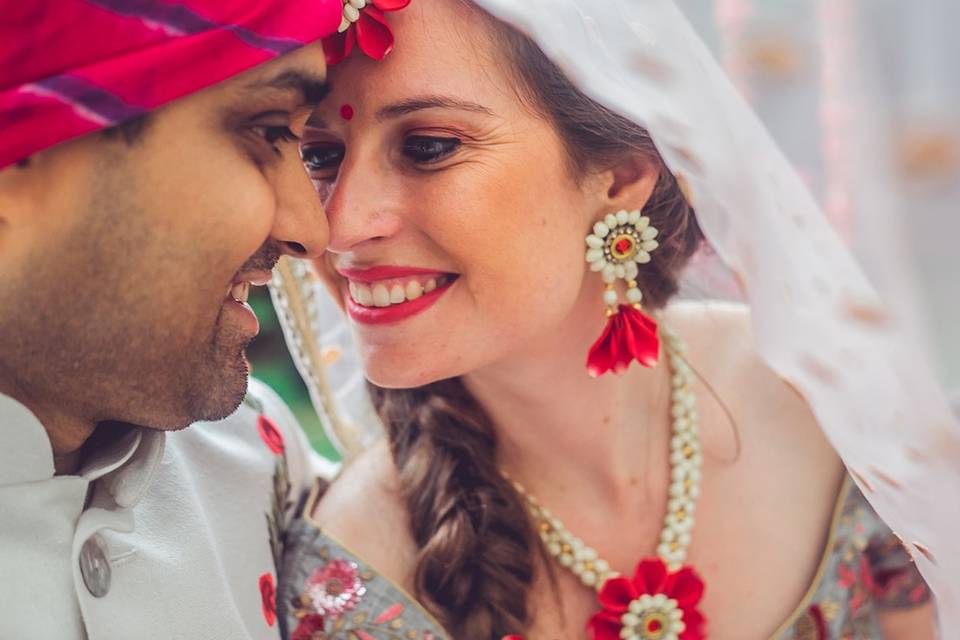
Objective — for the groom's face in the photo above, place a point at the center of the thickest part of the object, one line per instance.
(127, 256)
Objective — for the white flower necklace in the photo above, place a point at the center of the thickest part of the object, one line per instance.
(650, 615)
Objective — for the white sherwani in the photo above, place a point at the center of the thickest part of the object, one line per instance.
(163, 536)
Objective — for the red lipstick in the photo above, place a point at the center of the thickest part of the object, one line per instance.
(374, 274)
(382, 276)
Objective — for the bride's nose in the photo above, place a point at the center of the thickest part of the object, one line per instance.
(363, 205)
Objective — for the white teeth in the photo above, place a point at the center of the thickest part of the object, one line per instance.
(364, 295)
(381, 297)
(240, 292)
(386, 294)
(414, 290)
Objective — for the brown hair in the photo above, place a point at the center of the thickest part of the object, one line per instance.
(476, 543)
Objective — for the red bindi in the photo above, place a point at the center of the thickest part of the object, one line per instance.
(346, 112)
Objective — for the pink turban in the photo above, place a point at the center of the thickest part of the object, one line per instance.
(69, 67)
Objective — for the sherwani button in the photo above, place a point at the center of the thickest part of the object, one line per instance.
(94, 568)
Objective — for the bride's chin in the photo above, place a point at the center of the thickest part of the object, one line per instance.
(405, 374)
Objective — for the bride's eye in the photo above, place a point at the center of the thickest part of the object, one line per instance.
(427, 149)
(321, 157)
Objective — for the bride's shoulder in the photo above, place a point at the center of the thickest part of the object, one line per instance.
(720, 342)
(722, 351)
(363, 510)
(717, 335)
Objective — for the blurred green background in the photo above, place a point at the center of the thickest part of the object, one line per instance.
(271, 363)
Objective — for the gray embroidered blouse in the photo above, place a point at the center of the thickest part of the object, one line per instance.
(328, 593)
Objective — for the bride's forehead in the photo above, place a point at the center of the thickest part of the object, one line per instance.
(442, 47)
(440, 34)
(412, 69)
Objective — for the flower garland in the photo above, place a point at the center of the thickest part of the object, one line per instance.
(660, 601)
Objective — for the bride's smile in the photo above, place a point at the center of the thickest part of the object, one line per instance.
(389, 294)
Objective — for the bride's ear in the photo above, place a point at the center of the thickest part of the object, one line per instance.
(628, 184)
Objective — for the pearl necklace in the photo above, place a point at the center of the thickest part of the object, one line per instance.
(685, 473)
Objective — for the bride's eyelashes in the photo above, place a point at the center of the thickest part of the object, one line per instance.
(420, 150)
(321, 157)
(429, 149)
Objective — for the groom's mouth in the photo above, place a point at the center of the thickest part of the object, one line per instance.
(236, 304)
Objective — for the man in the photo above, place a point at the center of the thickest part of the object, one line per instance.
(149, 175)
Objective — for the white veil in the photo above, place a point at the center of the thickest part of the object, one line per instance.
(817, 321)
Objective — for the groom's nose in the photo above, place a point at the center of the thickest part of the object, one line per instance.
(300, 227)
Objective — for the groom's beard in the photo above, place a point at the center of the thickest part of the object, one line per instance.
(106, 326)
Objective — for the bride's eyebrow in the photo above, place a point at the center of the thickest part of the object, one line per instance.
(412, 105)
(430, 102)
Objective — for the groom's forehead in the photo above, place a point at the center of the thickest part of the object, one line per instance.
(299, 77)
(306, 85)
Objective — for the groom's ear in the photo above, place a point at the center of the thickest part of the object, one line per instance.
(629, 183)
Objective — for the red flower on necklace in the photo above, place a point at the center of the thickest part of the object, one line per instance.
(629, 335)
(655, 605)
(364, 24)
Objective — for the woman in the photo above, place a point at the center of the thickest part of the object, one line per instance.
(512, 486)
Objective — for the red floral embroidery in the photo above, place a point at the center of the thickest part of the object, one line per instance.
(654, 601)
(335, 588)
(270, 434)
(371, 31)
(268, 598)
(629, 335)
(310, 627)
(816, 613)
(392, 612)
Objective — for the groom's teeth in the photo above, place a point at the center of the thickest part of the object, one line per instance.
(240, 292)
(381, 297)
(397, 294)
(414, 290)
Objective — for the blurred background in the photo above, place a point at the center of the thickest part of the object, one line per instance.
(863, 97)
(272, 364)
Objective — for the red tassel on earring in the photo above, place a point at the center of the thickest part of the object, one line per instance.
(629, 335)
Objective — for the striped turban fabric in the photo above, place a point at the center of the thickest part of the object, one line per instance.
(70, 67)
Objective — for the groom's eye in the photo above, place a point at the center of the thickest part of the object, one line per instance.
(427, 149)
(321, 157)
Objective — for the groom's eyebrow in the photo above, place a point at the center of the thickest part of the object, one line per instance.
(421, 103)
(312, 88)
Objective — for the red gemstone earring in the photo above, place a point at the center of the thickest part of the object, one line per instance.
(618, 245)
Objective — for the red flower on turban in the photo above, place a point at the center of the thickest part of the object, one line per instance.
(364, 24)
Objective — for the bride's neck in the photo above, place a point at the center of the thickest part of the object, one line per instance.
(548, 411)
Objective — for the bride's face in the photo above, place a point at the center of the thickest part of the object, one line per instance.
(456, 223)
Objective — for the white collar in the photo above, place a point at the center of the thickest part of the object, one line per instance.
(125, 467)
